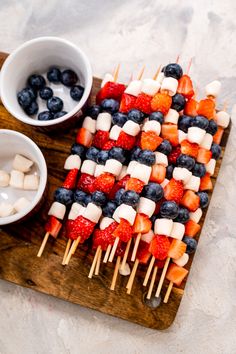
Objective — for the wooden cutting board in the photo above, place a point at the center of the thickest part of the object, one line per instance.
(19, 245)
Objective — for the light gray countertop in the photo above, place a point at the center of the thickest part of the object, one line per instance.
(136, 33)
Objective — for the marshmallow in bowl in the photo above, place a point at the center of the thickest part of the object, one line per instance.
(6, 209)
(21, 163)
(21, 204)
(31, 182)
(17, 179)
(4, 178)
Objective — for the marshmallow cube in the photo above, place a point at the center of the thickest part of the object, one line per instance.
(123, 173)
(72, 161)
(107, 78)
(113, 166)
(207, 141)
(182, 135)
(131, 167)
(75, 211)
(128, 213)
(58, 210)
(99, 169)
(105, 222)
(103, 121)
(160, 77)
(196, 135)
(148, 236)
(172, 116)
(193, 183)
(146, 206)
(165, 182)
(169, 84)
(161, 159)
(153, 126)
(213, 88)
(89, 124)
(92, 212)
(196, 215)
(177, 231)
(182, 260)
(182, 174)
(4, 178)
(141, 172)
(131, 128)
(88, 166)
(125, 271)
(115, 132)
(210, 166)
(21, 204)
(21, 163)
(31, 182)
(17, 179)
(222, 119)
(163, 227)
(134, 88)
(6, 209)
(115, 215)
(150, 87)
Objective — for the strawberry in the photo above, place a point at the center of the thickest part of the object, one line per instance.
(142, 224)
(109, 145)
(206, 183)
(110, 90)
(134, 184)
(158, 206)
(185, 87)
(100, 139)
(159, 264)
(206, 108)
(118, 185)
(124, 231)
(218, 135)
(159, 247)
(126, 141)
(176, 274)
(190, 200)
(177, 249)
(84, 137)
(174, 191)
(158, 173)
(170, 132)
(104, 237)
(172, 157)
(85, 183)
(138, 139)
(143, 103)
(192, 228)
(104, 183)
(53, 226)
(203, 155)
(188, 148)
(190, 108)
(161, 102)
(120, 251)
(143, 253)
(83, 228)
(150, 141)
(70, 230)
(70, 181)
(127, 102)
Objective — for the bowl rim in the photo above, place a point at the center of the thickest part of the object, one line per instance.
(42, 183)
(76, 109)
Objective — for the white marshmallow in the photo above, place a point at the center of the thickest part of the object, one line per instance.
(58, 210)
(17, 179)
(182, 174)
(141, 172)
(210, 166)
(148, 236)
(222, 119)
(21, 163)
(160, 77)
(113, 166)
(115, 215)
(123, 173)
(213, 88)
(21, 204)
(131, 128)
(134, 88)
(92, 212)
(115, 132)
(72, 161)
(169, 84)
(150, 87)
(193, 183)
(88, 166)
(207, 141)
(146, 206)
(182, 260)
(196, 135)
(165, 182)
(31, 182)
(182, 136)
(105, 222)
(153, 126)
(89, 124)
(99, 169)
(172, 116)
(163, 227)
(177, 231)
(161, 159)
(6, 209)
(196, 215)
(75, 211)
(4, 178)
(131, 167)
(103, 121)
(128, 213)
(125, 271)
(107, 78)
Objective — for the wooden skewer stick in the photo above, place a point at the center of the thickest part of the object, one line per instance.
(113, 251)
(43, 244)
(149, 271)
(225, 106)
(154, 274)
(115, 274)
(126, 254)
(177, 59)
(167, 295)
(66, 251)
(132, 276)
(98, 262)
(94, 262)
(72, 250)
(157, 72)
(140, 75)
(163, 274)
(138, 238)
(116, 73)
(189, 66)
(105, 259)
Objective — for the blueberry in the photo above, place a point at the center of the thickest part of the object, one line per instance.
(92, 153)
(212, 127)
(93, 111)
(183, 215)
(54, 75)
(118, 154)
(102, 157)
(153, 218)
(118, 196)
(36, 82)
(88, 199)
(165, 147)
(136, 116)
(119, 119)
(204, 199)
(76, 92)
(55, 104)
(79, 197)
(216, 151)
(45, 115)
(200, 122)
(153, 191)
(45, 93)
(185, 161)
(110, 105)
(169, 171)
(25, 97)
(199, 170)
(178, 102)
(69, 78)
(169, 210)
(64, 196)
(135, 153)
(109, 209)
(184, 123)
(158, 116)
(147, 157)
(60, 114)
(77, 149)
(131, 198)
(191, 244)
(173, 70)
(99, 198)
(32, 108)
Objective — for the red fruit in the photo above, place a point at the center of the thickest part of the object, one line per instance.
(188, 148)
(118, 185)
(104, 183)
(138, 139)
(134, 184)
(158, 173)
(143, 253)
(84, 137)
(177, 249)
(124, 231)
(218, 135)
(206, 183)
(161, 102)
(53, 226)
(203, 155)
(70, 229)
(110, 90)
(190, 108)
(159, 264)
(172, 157)
(127, 102)
(190, 200)
(142, 224)
(104, 237)
(126, 141)
(109, 145)
(82, 228)
(100, 139)
(159, 247)
(143, 103)
(206, 108)
(158, 206)
(170, 132)
(85, 183)
(192, 228)
(174, 190)
(176, 274)
(150, 141)
(70, 181)
(120, 251)
(185, 87)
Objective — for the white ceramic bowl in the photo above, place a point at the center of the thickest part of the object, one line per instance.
(12, 143)
(37, 56)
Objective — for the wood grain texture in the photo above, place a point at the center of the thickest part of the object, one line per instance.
(19, 245)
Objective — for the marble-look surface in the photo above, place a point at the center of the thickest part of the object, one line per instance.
(136, 33)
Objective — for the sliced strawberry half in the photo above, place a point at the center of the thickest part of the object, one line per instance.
(192, 228)
(185, 87)
(203, 155)
(206, 108)
(174, 191)
(127, 102)
(159, 247)
(142, 224)
(206, 183)
(158, 173)
(177, 249)
(110, 90)
(218, 135)
(53, 226)
(176, 274)
(124, 231)
(84, 137)
(188, 148)
(134, 184)
(190, 108)
(190, 200)
(70, 181)
(170, 132)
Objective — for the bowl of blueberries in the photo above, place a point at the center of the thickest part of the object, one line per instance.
(46, 82)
